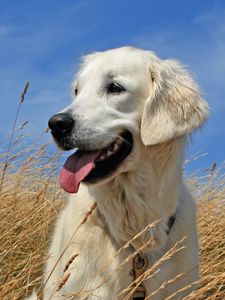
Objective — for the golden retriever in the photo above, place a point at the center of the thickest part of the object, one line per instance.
(130, 118)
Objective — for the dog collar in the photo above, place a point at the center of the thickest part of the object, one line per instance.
(140, 263)
(170, 223)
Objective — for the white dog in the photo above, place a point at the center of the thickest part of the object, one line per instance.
(130, 118)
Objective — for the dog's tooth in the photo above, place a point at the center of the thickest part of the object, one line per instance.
(109, 153)
(116, 147)
(119, 142)
(110, 150)
(101, 157)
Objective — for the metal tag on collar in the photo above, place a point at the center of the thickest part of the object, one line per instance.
(139, 294)
(139, 266)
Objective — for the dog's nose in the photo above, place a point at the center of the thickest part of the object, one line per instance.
(61, 124)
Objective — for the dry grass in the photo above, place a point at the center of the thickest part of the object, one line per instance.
(211, 224)
(30, 200)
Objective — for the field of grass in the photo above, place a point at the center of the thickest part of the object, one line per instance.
(30, 199)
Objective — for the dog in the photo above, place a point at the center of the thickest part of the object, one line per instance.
(130, 119)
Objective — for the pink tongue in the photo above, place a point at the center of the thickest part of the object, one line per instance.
(75, 169)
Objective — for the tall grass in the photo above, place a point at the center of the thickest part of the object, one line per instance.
(30, 200)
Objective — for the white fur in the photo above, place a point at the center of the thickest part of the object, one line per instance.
(160, 107)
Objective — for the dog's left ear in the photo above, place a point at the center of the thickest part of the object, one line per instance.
(175, 106)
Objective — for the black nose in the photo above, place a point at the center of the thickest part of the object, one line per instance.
(61, 124)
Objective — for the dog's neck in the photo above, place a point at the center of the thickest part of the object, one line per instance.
(132, 200)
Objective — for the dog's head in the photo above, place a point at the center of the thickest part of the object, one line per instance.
(122, 96)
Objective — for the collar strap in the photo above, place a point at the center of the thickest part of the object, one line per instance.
(170, 223)
(140, 264)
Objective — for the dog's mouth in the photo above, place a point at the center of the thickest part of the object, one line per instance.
(93, 166)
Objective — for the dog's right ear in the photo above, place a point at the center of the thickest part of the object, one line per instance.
(174, 107)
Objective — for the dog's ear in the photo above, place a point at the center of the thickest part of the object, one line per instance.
(174, 107)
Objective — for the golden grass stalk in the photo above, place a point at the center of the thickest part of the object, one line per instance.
(12, 134)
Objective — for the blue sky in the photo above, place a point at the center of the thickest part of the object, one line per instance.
(43, 41)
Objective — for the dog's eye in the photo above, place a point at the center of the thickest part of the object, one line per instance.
(75, 91)
(115, 88)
